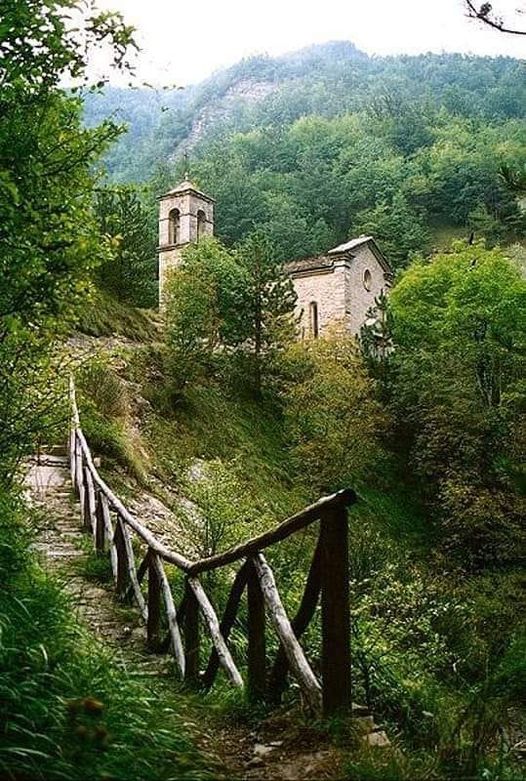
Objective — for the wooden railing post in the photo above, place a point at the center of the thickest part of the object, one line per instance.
(191, 636)
(257, 671)
(335, 615)
(100, 531)
(79, 475)
(73, 455)
(153, 623)
(89, 503)
(122, 559)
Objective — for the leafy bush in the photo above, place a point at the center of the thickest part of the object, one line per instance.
(457, 393)
(333, 419)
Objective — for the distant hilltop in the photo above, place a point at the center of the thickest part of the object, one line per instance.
(329, 79)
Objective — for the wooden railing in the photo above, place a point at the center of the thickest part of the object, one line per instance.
(112, 526)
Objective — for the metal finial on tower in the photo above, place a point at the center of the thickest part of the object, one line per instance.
(185, 161)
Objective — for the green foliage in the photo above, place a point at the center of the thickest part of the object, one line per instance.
(69, 708)
(204, 308)
(103, 315)
(105, 410)
(229, 309)
(129, 273)
(342, 143)
(397, 228)
(48, 237)
(458, 327)
(269, 308)
(334, 421)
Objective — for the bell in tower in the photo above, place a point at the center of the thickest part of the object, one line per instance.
(185, 215)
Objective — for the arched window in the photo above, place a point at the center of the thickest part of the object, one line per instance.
(314, 325)
(174, 226)
(201, 223)
(367, 279)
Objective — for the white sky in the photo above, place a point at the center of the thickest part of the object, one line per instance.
(183, 41)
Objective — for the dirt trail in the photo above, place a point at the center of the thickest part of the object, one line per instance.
(275, 750)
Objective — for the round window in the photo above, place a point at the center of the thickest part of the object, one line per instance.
(367, 279)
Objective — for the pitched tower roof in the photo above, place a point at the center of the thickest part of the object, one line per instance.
(186, 187)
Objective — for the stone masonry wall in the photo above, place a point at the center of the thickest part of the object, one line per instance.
(358, 299)
(327, 289)
(339, 291)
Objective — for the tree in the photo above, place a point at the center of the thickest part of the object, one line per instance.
(206, 309)
(459, 329)
(48, 237)
(333, 418)
(129, 273)
(396, 226)
(270, 306)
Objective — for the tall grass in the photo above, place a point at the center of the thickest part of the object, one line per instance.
(69, 709)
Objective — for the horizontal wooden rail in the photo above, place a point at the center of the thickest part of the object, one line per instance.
(112, 526)
(343, 498)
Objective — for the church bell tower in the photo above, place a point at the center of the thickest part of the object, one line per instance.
(185, 215)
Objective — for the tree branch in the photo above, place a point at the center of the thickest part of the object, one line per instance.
(485, 14)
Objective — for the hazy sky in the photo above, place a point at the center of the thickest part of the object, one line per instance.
(185, 40)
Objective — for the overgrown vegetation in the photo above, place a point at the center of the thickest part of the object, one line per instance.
(70, 708)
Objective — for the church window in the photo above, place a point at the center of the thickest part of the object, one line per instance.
(367, 279)
(314, 324)
(174, 226)
(201, 221)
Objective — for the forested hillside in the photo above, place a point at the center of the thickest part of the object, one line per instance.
(329, 142)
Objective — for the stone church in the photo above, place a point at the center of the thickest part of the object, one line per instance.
(337, 287)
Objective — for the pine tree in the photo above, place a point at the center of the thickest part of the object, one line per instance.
(130, 272)
(271, 300)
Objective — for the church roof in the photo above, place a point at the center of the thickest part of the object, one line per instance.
(350, 245)
(187, 187)
(323, 262)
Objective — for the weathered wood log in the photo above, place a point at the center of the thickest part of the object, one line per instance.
(74, 425)
(298, 663)
(100, 535)
(191, 636)
(89, 504)
(153, 623)
(75, 418)
(209, 614)
(117, 505)
(141, 572)
(300, 622)
(257, 666)
(335, 612)
(285, 529)
(227, 622)
(132, 572)
(171, 613)
(108, 530)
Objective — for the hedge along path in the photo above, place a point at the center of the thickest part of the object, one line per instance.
(114, 530)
